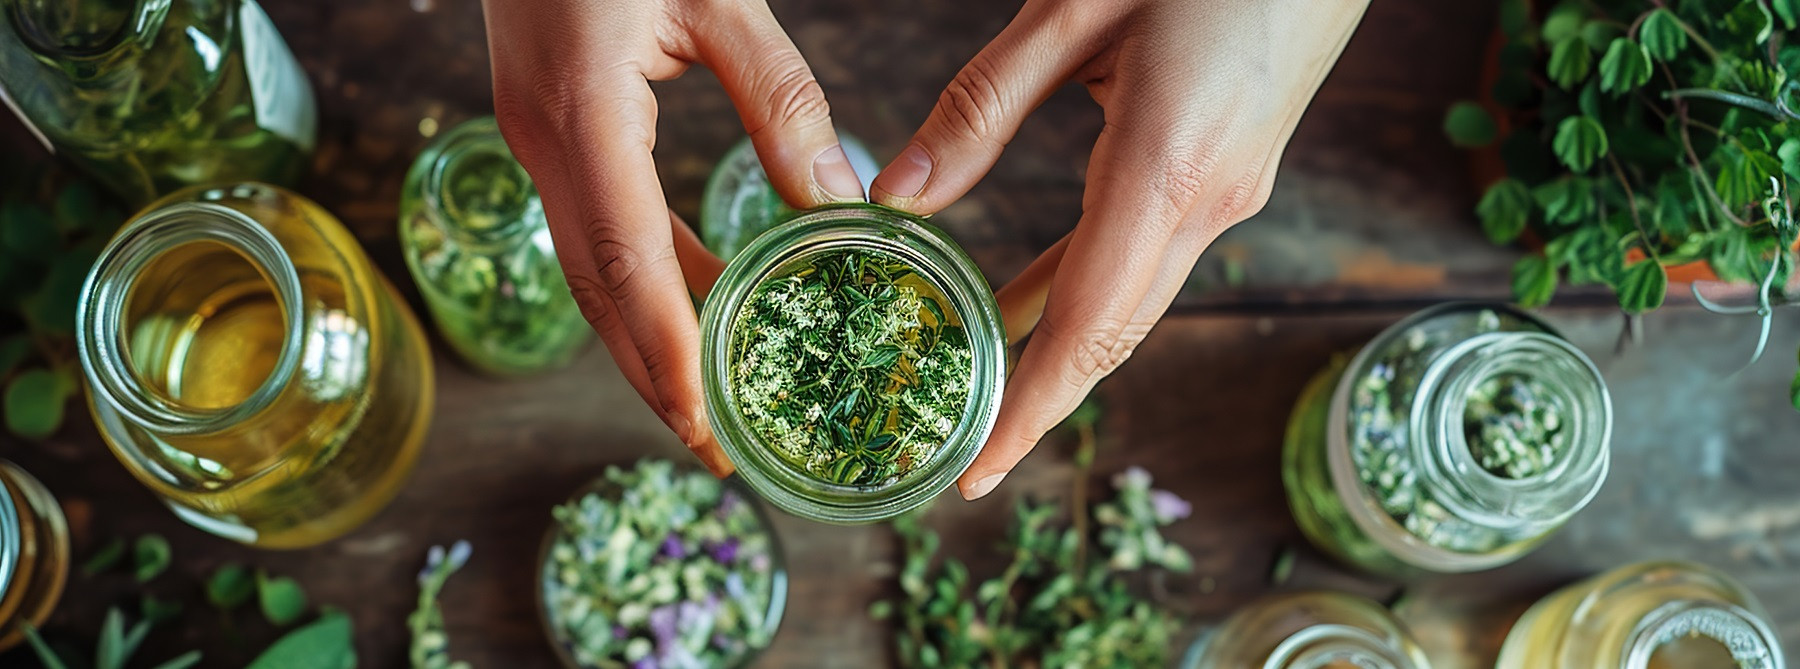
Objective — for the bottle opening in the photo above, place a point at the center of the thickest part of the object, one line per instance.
(1684, 634)
(204, 326)
(1337, 646)
(75, 27)
(1516, 423)
(1692, 651)
(479, 187)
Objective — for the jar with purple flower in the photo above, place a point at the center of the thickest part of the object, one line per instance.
(660, 566)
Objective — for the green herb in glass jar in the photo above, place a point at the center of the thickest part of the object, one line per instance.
(150, 97)
(660, 567)
(740, 203)
(473, 232)
(851, 366)
(1457, 440)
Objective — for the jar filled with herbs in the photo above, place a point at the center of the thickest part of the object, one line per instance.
(660, 567)
(853, 360)
(740, 203)
(1457, 440)
(473, 232)
(34, 553)
(248, 363)
(1650, 615)
(151, 96)
(1308, 630)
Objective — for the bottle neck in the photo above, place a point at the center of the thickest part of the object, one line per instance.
(84, 36)
(1689, 633)
(103, 325)
(1336, 647)
(1550, 451)
(475, 191)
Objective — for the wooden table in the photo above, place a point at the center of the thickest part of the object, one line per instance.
(1370, 220)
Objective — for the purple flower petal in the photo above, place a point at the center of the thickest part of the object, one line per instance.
(647, 662)
(620, 633)
(664, 625)
(1169, 507)
(672, 548)
(726, 551)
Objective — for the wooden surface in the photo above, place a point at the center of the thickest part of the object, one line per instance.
(1369, 221)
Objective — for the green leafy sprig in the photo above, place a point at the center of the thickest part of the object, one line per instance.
(430, 644)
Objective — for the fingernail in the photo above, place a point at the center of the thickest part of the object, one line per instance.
(832, 171)
(679, 425)
(983, 487)
(906, 176)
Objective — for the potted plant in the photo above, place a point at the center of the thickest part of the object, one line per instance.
(1643, 141)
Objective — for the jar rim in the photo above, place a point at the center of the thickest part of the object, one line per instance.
(11, 538)
(1749, 639)
(429, 178)
(100, 327)
(937, 258)
(139, 25)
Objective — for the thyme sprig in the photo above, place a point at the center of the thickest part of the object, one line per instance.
(851, 367)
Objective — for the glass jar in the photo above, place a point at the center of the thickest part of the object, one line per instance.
(1649, 615)
(739, 202)
(34, 553)
(1457, 440)
(699, 565)
(1308, 630)
(246, 362)
(791, 474)
(473, 232)
(153, 95)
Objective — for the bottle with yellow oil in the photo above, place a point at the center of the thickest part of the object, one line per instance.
(1649, 615)
(34, 553)
(246, 362)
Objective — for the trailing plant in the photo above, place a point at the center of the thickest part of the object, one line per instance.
(1063, 600)
(1642, 134)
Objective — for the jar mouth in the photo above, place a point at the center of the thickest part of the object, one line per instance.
(473, 187)
(1730, 630)
(86, 31)
(1331, 646)
(935, 257)
(102, 327)
(10, 537)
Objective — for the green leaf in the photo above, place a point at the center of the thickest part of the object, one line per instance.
(1788, 10)
(1626, 66)
(110, 652)
(156, 610)
(1750, 22)
(78, 208)
(1564, 22)
(1579, 142)
(13, 350)
(1643, 287)
(1744, 179)
(105, 558)
(42, 650)
(1504, 209)
(1598, 34)
(323, 644)
(1570, 62)
(151, 556)
(1662, 35)
(1469, 126)
(230, 587)
(1794, 392)
(182, 661)
(1534, 281)
(52, 308)
(27, 231)
(34, 404)
(1568, 201)
(282, 600)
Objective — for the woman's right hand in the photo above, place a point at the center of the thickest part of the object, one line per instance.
(572, 94)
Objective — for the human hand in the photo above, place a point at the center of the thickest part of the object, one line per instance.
(572, 95)
(1200, 98)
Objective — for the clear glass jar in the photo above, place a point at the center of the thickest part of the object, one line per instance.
(694, 508)
(739, 202)
(1308, 630)
(153, 95)
(245, 361)
(790, 249)
(1649, 615)
(473, 232)
(1389, 461)
(34, 553)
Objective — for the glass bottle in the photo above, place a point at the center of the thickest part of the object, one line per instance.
(1649, 615)
(153, 95)
(1457, 440)
(1308, 630)
(34, 552)
(246, 362)
(789, 251)
(739, 202)
(474, 236)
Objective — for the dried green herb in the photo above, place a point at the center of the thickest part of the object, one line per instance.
(1514, 426)
(430, 644)
(115, 648)
(1062, 601)
(852, 367)
(662, 569)
(151, 557)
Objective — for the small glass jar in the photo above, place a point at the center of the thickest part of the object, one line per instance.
(739, 202)
(1308, 630)
(150, 96)
(34, 553)
(788, 251)
(1649, 615)
(245, 361)
(473, 232)
(1457, 440)
(694, 505)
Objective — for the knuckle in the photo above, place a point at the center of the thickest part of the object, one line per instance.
(1096, 349)
(1243, 199)
(794, 97)
(595, 306)
(972, 104)
(616, 261)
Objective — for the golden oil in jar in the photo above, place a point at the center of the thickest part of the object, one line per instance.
(250, 365)
(34, 553)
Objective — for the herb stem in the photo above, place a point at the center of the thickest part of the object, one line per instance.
(1631, 203)
(1749, 102)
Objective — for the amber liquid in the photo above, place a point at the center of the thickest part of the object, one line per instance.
(337, 439)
